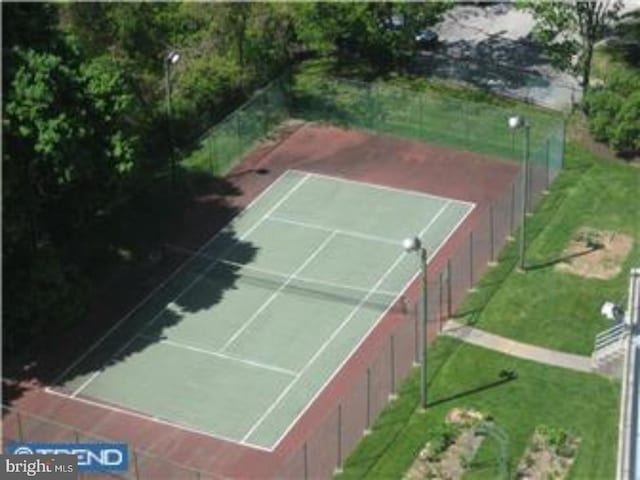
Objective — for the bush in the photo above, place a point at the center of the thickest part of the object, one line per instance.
(614, 111)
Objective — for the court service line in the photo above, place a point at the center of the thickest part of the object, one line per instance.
(273, 296)
(333, 335)
(348, 233)
(373, 326)
(385, 187)
(233, 358)
(173, 274)
(197, 279)
(155, 419)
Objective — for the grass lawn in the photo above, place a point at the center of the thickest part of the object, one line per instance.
(546, 307)
(462, 375)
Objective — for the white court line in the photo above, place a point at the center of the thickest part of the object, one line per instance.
(173, 274)
(154, 419)
(232, 358)
(338, 330)
(198, 278)
(373, 326)
(385, 187)
(348, 233)
(86, 382)
(273, 296)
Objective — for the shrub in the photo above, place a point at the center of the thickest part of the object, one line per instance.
(614, 111)
(444, 436)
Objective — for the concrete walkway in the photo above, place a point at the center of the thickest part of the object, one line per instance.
(517, 349)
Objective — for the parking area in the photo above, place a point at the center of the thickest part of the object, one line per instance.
(491, 47)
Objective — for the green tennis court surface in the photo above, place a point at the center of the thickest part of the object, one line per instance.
(242, 338)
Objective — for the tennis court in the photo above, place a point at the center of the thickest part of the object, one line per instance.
(242, 338)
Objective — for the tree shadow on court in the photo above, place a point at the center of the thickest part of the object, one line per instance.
(141, 282)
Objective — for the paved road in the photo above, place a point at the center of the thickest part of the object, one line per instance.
(491, 47)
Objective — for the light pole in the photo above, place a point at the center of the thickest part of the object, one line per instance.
(415, 245)
(171, 59)
(518, 122)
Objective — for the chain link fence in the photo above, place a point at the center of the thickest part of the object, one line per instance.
(423, 116)
(376, 383)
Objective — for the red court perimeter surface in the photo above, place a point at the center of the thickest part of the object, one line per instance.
(352, 154)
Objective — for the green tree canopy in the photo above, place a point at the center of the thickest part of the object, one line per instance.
(569, 30)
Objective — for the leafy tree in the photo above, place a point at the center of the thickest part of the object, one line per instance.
(68, 144)
(569, 30)
(136, 31)
(381, 33)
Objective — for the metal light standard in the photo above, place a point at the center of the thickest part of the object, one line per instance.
(171, 59)
(415, 245)
(517, 122)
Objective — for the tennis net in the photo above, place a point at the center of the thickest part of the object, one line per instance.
(222, 271)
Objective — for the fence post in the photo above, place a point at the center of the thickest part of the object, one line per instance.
(367, 430)
(420, 113)
(339, 465)
(76, 437)
(216, 157)
(547, 180)
(416, 337)
(20, 431)
(238, 137)
(393, 395)
(529, 194)
(441, 302)
(492, 236)
(210, 155)
(512, 211)
(369, 107)
(306, 461)
(471, 261)
(265, 105)
(449, 299)
(136, 471)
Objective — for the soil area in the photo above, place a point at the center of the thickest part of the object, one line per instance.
(453, 462)
(595, 253)
(542, 461)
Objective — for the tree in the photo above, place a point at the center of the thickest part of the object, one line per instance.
(569, 30)
(69, 142)
(383, 34)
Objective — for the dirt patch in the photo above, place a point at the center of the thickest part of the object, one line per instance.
(595, 253)
(549, 456)
(449, 454)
